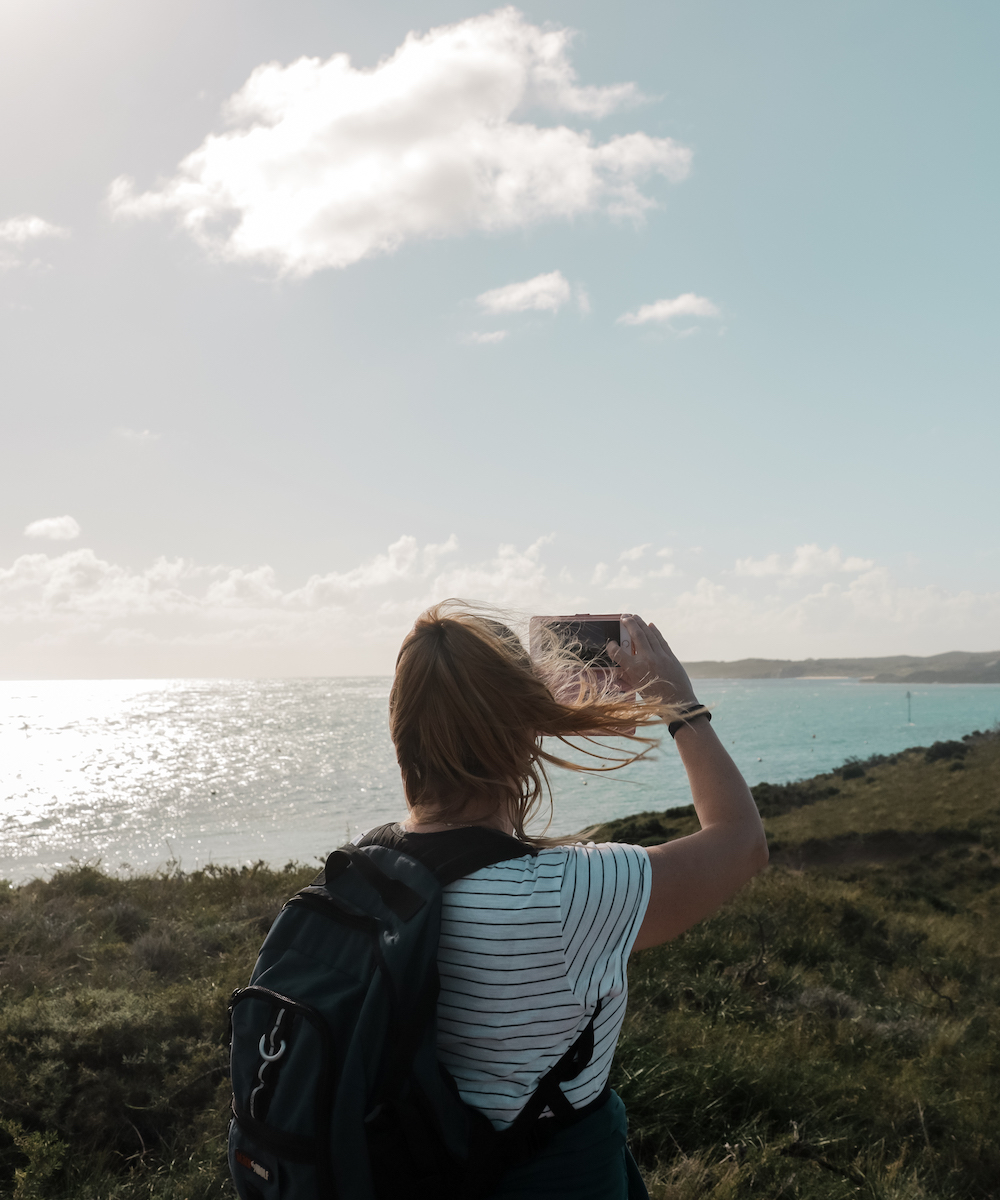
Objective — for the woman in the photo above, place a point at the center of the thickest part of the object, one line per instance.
(534, 950)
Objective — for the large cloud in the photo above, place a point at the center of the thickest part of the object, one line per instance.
(77, 614)
(326, 164)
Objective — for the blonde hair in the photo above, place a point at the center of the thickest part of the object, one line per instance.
(469, 709)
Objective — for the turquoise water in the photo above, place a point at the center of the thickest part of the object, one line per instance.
(138, 773)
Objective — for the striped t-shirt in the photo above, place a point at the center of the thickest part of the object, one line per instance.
(527, 949)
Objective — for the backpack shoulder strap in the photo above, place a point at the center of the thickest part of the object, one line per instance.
(549, 1094)
(452, 853)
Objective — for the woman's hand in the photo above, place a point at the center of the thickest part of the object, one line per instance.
(692, 876)
(651, 667)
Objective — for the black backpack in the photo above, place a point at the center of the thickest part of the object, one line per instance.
(337, 1090)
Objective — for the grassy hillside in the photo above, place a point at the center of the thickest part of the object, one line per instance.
(830, 1034)
(957, 666)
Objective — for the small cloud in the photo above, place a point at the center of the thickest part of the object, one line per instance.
(16, 231)
(485, 339)
(600, 574)
(545, 293)
(666, 552)
(635, 553)
(771, 565)
(662, 312)
(582, 299)
(57, 529)
(808, 560)
(137, 435)
(664, 571)
(625, 579)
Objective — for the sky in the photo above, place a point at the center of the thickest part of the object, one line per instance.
(312, 314)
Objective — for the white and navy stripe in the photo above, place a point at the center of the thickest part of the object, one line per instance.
(528, 947)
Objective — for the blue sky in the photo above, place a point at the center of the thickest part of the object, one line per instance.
(801, 460)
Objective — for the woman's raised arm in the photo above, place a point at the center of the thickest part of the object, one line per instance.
(694, 875)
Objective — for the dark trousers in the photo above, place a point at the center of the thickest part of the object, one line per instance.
(588, 1161)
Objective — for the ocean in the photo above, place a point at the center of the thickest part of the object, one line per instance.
(143, 774)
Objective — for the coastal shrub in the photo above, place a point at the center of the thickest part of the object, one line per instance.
(940, 750)
(775, 799)
(650, 829)
(127, 920)
(161, 952)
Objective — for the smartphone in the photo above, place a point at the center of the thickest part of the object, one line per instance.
(587, 633)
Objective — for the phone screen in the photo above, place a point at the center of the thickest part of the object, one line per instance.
(589, 639)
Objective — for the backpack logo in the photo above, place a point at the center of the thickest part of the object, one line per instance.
(251, 1165)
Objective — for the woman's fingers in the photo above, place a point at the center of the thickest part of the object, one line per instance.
(633, 667)
(661, 640)
(661, 669)
(639, 633)
(652, 665)
(638, 662)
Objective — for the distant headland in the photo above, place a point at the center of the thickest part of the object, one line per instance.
(957, 666)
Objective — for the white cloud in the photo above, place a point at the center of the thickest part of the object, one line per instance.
(16, 231)
(665, 571)
(486, 339)
(75, 613)
(807, 560)
(58, 529)
(137, 435)
(662, 312)
(632, 578)
(403, 560)
(629, 580)
(546, 293)
(326, 164)
(868, 615)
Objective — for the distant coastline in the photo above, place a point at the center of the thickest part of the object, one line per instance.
(957, 666)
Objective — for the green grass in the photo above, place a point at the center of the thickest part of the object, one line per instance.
(830, 1034)
(113, 998)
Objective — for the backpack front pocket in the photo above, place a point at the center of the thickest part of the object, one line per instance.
(282, 1074)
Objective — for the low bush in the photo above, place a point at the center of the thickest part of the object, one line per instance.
(946, 750)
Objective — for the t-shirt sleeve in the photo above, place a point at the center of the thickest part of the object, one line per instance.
(605, 891)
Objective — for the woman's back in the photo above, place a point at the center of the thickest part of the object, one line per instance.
(533, 951)
(528, 949)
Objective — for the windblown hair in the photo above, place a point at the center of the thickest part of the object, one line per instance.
(469, 710)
